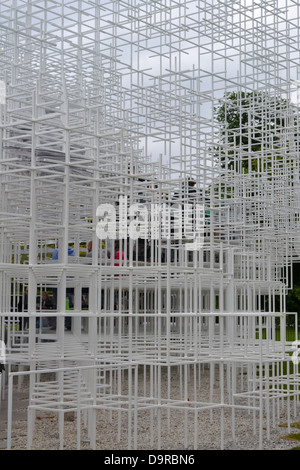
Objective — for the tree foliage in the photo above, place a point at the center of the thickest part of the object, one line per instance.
(251, 126)
(293, 296)
(258, 132)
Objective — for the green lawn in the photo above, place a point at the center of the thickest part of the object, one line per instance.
(295, 436)
(290, 334)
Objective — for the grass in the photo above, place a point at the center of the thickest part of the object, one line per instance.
(293, 425)
(293, 436)
(289, 332)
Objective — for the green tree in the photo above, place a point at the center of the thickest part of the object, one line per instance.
(251, 130)
(293, 296)
(258, 136)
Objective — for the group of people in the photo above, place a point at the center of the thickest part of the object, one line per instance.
(141, 252)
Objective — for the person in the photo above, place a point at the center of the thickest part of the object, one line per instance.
(69, 305)
(105, 256)
(71, 252)
(101, 253)
(47, 304)
(141, 249)
(118, 261)
(119, 254)
(89, 249)
(22, 307)
(46, 301)
(185, 200)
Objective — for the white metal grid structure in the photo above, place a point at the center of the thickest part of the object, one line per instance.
(105, 103)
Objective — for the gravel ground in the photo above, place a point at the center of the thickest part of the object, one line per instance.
(177, 427)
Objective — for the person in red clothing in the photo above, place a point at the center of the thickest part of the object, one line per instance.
(117, 254)
(119, 261)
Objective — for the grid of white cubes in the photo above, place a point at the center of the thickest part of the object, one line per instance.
(108, 108)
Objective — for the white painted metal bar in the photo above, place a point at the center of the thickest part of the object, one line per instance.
(156, 108)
